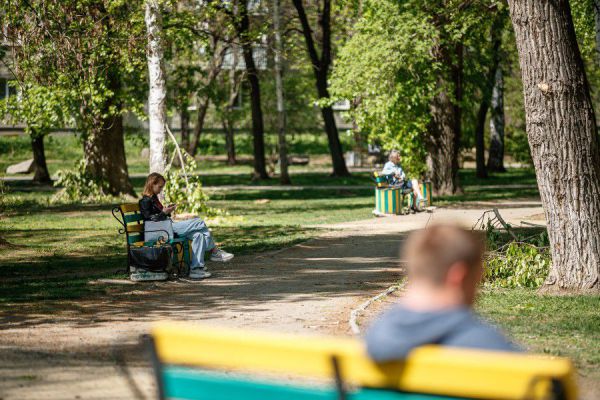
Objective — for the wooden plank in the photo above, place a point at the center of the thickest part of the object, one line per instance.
(135, 228)
(134, 238)
(133, 218)
(429, 369)
(191, 384)
(130, 207)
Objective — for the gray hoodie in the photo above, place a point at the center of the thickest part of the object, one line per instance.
(399, 330)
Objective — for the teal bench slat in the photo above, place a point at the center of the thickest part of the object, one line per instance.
(191, 384)
(132, 218)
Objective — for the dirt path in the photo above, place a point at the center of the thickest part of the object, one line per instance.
(309, 288)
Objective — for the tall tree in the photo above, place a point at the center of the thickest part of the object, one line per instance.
(79, 49)
(487, 89)
(281, 120)
(495, 161)
(321, 66)
(157, 93)
(561, 128)
(244, 34)
(444, 129)
(40, 110)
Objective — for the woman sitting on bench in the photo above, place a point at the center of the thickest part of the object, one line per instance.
(393, 169)
(158, 217)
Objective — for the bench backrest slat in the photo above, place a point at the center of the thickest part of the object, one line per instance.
(191, 384)
(132, 218)
(429, 369)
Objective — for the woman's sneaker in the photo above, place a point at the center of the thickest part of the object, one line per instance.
(221, 256)
(199, 273)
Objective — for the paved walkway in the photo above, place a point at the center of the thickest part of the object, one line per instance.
(308, 288)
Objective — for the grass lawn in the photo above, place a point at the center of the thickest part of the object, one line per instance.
(61, 246)
(556, 325)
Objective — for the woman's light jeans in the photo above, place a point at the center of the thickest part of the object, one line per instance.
(193, 229)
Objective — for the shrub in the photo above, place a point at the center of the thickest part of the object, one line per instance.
(79, 186)
(187, 194)
(523, 262)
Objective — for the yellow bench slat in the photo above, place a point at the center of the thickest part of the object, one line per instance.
(135, 227)
(130, 207)
(429, 369)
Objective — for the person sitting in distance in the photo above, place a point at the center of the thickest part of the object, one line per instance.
(155, 215)
(444, 264)
(392, 168)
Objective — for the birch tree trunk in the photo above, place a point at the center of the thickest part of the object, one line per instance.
(561, 128)
(158, 89)
(283, 157)
(496, 153)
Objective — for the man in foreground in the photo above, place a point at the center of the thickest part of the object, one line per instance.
(444, 265)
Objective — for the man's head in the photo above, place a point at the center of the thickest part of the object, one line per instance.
(394, 156)
(447, 259)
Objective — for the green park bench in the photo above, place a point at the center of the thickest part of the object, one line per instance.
(395, 200)
(193, 362)
(132, 222)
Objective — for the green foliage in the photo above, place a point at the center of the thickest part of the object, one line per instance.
(388, 69)
(79, 186)
(401, 55)
(39, 107)
(187, 192)
(90, 52)
(518, 263)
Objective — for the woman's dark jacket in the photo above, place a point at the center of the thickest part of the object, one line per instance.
(152, 209)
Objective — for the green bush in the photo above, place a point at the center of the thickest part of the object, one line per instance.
(79, 186)
(524, 262)
(187, 194)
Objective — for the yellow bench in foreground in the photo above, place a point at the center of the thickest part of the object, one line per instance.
(201, 362)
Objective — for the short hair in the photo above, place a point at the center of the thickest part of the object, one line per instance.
(430, 252)
(392, 154)
(152, 180)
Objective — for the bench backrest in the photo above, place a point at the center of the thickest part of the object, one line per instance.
(132, 221)
(197, 362)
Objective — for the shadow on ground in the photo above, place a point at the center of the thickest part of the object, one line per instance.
(318, 269)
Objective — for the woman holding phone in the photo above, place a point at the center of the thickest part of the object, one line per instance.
(158, 218)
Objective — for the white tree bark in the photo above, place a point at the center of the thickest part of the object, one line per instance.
(157, 94)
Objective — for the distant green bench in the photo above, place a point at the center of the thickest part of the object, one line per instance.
(395, 200)
(193, 362)
(132, 222)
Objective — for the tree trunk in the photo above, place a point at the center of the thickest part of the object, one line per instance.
(229, 140)
(597, 26)
(321, 70)
(440, 144)
(157, 94)
(561, 128)
(260, 171)
(496, 152)
(200, 117)
(444, 127)
(283, 157)
(104, 151)
(184, 116)
(41, 174)
(479, 137)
